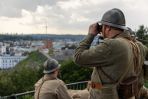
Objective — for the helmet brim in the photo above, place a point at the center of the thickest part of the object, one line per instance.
(50, 71)
(113, 25)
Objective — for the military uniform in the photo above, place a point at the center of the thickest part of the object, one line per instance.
(49, 86)
(51, 89)
(114, 60)
(112, 57)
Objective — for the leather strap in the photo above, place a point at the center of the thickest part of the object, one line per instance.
(40, 88)
(109, 77)
(137, 56)
(43, 80)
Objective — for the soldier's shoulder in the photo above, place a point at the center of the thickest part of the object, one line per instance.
(53, 85)
(110, 41)
(39, 82)
(116, 44)
(56, 82)
(60, 81)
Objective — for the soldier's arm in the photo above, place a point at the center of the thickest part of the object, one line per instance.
(91, 56)
(62, 92)
(146, 50)
(145, 65)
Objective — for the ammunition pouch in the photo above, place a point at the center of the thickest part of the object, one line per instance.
(128, 87)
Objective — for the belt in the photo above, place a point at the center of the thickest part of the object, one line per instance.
(106, 89)
(96, 85)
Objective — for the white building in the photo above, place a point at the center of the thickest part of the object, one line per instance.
(2, 49)
(37, 44)
(8, 61)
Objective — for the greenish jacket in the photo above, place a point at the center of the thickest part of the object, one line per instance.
(112, 56)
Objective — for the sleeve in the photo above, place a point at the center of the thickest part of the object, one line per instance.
(146, 51)
(145, 65)
(48, 96)
(62, 92)
(95, 56)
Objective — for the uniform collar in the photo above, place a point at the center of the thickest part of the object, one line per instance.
(51, 77)
(124, 35)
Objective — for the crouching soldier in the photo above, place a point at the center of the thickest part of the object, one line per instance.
(49, 86)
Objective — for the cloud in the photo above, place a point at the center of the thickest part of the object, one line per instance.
(12, 8)
(66, 16)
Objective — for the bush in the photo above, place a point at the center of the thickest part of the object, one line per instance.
(23, 76)
(70, 72)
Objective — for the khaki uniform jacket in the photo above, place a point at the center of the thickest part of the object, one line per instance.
(51, 89)
(112, 56)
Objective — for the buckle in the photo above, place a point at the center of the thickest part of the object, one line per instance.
(95, 85)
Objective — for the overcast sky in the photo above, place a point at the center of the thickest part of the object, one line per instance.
(65, 16)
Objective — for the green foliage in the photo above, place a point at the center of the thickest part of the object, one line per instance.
(50, 52)
(34, 60)
(146, 84)
(22, 77)
(142, 32)
(6, 85)
(27, 97)
(71, 72)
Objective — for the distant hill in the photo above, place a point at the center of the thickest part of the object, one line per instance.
(14, 37)
(40, 36)
(33, 60)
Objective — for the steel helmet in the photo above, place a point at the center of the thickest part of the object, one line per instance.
(50, 65)
(114, 18)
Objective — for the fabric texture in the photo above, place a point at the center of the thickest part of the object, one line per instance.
(112, 56)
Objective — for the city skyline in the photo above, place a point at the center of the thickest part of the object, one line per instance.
(65, 16)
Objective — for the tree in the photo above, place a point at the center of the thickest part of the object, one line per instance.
(70, 72)
(142, 32)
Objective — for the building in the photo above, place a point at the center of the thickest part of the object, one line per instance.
(8, 61)
(48, 44)
(2, 49)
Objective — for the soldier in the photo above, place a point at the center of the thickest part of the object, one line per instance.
(117, 61)
(49, 86)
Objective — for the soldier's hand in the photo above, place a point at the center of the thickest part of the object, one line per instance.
(94, 29)
(144, 93)
(76, 95)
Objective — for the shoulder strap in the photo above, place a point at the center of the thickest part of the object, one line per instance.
(108, 76)
(43, 80)
(111, 79)
(98, 75)
(38, 92)
(137, 56)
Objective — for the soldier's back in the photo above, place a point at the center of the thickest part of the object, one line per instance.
(48, 89)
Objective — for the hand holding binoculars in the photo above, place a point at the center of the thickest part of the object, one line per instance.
(95, 29)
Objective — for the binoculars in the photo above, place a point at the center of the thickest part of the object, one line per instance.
(99, 27)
